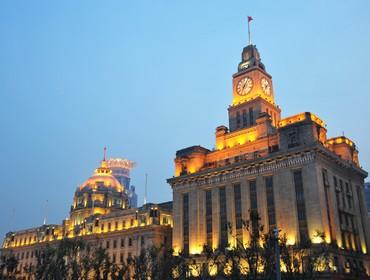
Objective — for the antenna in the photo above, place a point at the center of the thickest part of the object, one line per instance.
(146, 188)
(46, 212)
(105, 153)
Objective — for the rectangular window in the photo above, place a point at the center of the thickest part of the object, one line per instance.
(237, 119)
(109, 226)
(209, 217)
(325, 179)
(121, 257)
(223, 219)
(301, 208)
(185, 222)
(238, 214)
(270, 202)
(245, 121)
(254, 206)
(342, 193)
(349, 195)
(251, 121)
(114, 244)
(107, 244)
(122, 242)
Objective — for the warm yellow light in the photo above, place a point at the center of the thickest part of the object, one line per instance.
(290, 241)
(194, 270)
(363, 248)
(317, 240)
(212, 269)
(196, 249)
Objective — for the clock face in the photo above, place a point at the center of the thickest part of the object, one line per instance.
(244, 86)
(265, 85)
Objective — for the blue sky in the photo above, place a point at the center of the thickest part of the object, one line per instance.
(146, 78)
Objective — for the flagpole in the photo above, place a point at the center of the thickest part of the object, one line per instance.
(249, 29)
(249, 32)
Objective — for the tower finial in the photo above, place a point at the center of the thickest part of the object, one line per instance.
(249, 30)
(105, 153)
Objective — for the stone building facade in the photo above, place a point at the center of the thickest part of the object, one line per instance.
(101, 216)
(286, 169)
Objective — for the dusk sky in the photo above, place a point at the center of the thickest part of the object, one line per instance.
(147, 78)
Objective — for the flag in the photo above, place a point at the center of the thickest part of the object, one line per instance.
(250, 18)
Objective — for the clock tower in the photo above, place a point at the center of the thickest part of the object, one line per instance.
(253, 93)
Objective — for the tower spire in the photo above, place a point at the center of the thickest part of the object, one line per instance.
(105, 153)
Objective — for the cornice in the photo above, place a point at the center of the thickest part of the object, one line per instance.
(250, 168)
(281, 160)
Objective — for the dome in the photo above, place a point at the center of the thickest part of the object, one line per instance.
(102, 178)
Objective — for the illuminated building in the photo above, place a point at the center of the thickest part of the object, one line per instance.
(286, 169)
(99, 214)
(121, 169)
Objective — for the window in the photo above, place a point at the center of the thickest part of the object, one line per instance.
(254, 205)
(130, 242)
(326, 187)
(293, 138)
(109, 226)
(116, 225)
(251, 121)
(123, 224)
(223, 219)
(301, 208)
(114, 244)
(342, 193)
(121, 257)
(132, 222)
(114, 258)
(349, 195)
(245, 121)
(142, 241)
(107, 244)
(237, 119)
(122, 242)
(238, 214)
(185, 222)
(270, 202)
(102, 227)
(209, 217)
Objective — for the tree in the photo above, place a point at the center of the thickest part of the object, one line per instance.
(8, 266)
